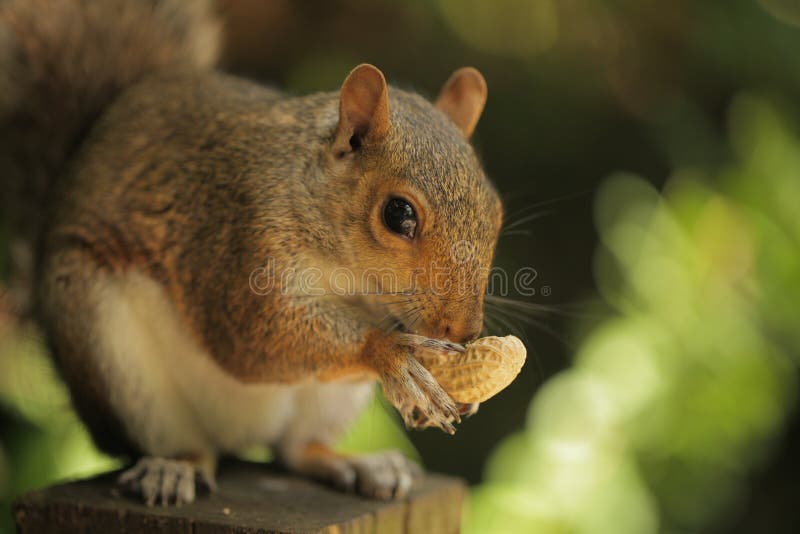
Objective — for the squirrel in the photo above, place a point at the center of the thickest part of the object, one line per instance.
(152, 191)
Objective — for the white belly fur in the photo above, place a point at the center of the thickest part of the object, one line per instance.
(174, 399)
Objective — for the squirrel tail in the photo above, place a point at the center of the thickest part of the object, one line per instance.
(62, 62)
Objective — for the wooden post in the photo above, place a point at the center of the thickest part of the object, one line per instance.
(252, 498)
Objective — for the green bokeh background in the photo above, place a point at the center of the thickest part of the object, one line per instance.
(649, 158)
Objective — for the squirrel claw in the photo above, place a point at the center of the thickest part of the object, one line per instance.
(468, 410)
(385, 475)
(420, 422)
(165, 481)
(420, 400)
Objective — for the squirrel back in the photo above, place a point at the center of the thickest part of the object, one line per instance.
(62, 62)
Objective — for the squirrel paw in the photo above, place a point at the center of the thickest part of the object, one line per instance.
(166, 481)
(384, 475)
(418, 397)
(464, 410)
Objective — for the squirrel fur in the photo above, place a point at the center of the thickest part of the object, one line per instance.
(150, 188)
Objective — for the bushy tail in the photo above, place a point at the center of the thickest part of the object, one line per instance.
(61, 63)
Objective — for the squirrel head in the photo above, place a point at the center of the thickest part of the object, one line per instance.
(418, 219)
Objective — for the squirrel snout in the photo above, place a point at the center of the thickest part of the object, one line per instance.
(463, 330)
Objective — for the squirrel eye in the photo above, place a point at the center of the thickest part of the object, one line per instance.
(400, 217)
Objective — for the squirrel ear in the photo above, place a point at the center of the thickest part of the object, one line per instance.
(462, 99)
(363, 109)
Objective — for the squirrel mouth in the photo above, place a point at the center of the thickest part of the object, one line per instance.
(400, 326)
(396, 324)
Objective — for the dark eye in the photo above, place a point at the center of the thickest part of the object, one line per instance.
(400, 217)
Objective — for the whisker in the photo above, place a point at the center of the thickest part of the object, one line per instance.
(409, 313)
(570, 196)
(509, 233)
(541, 325)
(533, 354)
(508, 325)
(536, 307)
(490, 326)
(417, 318)
(526, 219)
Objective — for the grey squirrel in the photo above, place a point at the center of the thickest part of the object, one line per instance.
(149, 187)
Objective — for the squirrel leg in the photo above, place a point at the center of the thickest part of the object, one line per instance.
(323, 411)
(169, 481)
(103, 327)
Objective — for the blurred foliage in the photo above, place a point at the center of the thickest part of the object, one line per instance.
(673, 400)
(686, 369)
(42, 440)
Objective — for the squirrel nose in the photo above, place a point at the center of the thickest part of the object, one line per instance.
(464, 330)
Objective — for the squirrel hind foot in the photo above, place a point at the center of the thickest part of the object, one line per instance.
(166, 481)
(385, 475)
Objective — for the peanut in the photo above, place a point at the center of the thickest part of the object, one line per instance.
(483, 369)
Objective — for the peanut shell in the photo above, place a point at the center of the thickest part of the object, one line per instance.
(486, 367)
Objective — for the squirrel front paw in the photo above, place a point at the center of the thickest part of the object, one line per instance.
(464, 410)
(418, 397)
